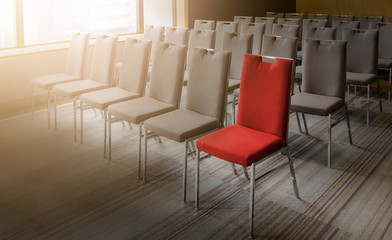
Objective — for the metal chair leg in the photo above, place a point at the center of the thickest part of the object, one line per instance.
(55, 111)
(74, 113)
(105, 128)
(380, 94)
(246, 172)
(251, 199)
(81, 121)
(329, 139)
(145, 156)
(293, 178)
(197, 179)
(233, 109)
(184, 178)
(389, 84)
(368, 106)
(348, 126)
(305, 125)
(299, 122)
(110, 135)
(139, 155)
(234, 169)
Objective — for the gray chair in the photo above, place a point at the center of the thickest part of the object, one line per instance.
(362, 51)
(268, 21)
(284, 30)
(364, 21)
(204, 108)
(274, 14)
(245, 19)
(337, 18)
(388, 19)
(221, 27)
(317, 16)
(323, 84)
(299, 16)
(204, 25)
(310, 23)
(289, 21)
(258, 30)
(384, 49)
(340, 25)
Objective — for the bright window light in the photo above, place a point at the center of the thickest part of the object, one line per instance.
(7, 24)
(54, 20)
(159, 12)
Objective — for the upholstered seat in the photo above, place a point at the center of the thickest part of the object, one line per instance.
(103, 98)
(360, 78)
(49, 81)
(315, 104)
(76, 88)
(384, 63)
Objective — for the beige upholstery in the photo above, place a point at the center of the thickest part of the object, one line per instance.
(360, 78)
(311, 23)
(221, 27)
(299, 16)
(258, 30)
(319, 33)
(269, 21)
(244, 19)
(340, 25)
(275, 14)
(155, 34)
(317, 16)
(49, 81)
(76, 88)
(101, 99)
(204, 25)
(316, 104)
(364, 21)
(176, 35)
(285, 30)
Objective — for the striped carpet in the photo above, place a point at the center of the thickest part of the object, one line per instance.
(53, 188)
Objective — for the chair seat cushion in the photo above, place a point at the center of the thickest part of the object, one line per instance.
(76, 88)
(360, 78)
(239, 144)
(384, 63)
(298, 72)
(139, 109)
(48, 81)
(181, 124)
(315, 104)
(103, 98)
(233, 84)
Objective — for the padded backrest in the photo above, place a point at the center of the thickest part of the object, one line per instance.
(204, 25)
(238, 44)
(362, 50)
(222, 27)
(364, 21)
(340, 25)
(155, 34)
(245, 19)
(207, 85)
(285, 30)
(294, 15)
(324, 67)
(309, 23)
(289, 21)
(388, 19)
(136, 56)
(275, 15)
(384, 40)
(265, 95)
(338, 18)
(176, 35)
(277, 46)
(258, 30)
(320, 33)
(268, 21)
(167, 73)
(317, 16)
(199, 39)
(102, 67)
(77, 54)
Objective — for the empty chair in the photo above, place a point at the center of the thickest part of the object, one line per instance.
(258, 30)
(102, 71)
(204, 108)
(204, 25)
(176, 35)
(364, 21)
(289, 21)
(384, 49)
(155, 34)
(246, 19)
(309, 23)
(317, 16)
(274, 14)
(262, 125)
(268, 21)
(163, 96)
(75, 65)
(284, 30)
(340, 25)
(299, 16)
(323, 88)
(388, 19)
(362, 50)
(132, 82)
(221, 27)
(337, 18)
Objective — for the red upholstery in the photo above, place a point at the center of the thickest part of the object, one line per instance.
(262, 114)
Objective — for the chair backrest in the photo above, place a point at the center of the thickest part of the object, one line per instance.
(317, 16)
(364, 21)
(274, 14)
(337, 18)
(384, 39)
(136, 56)
(324, 67)
(265, 95)
(258, 30)
(268, 21)
(204, 25)
(199, 39)
(104, 56)
(388, 19)
(320, 33)
(289, 21)
(309, 23)
(207, 85)
(155, 34)
(294, 15)
(238, 44)
(285, 30)
(167, 73)
(362, 50)
(340, 25)
(176, 35)
(246, 19)
(77, 54)
(221, 27)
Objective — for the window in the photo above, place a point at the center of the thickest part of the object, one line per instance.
(159, 12)
(7, 24)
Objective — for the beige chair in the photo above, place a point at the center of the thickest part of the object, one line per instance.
(317, 16)
(164, 94)
(289, 21)
(323, 88)
(258, 30)
(204, 108)
(341, 25)
(102, 71)
(308, 24)
(274, 14)
(268, 21)
(204, 25)
(132, 82)
(75, 68)
(364, 21)
(176, 35)
(284, 30)
(362, 50)
(245, 19)
(221, 27)
(155, 34)
(337, 18)
(299, 16)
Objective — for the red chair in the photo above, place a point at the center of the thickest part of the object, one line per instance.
(261, 129)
